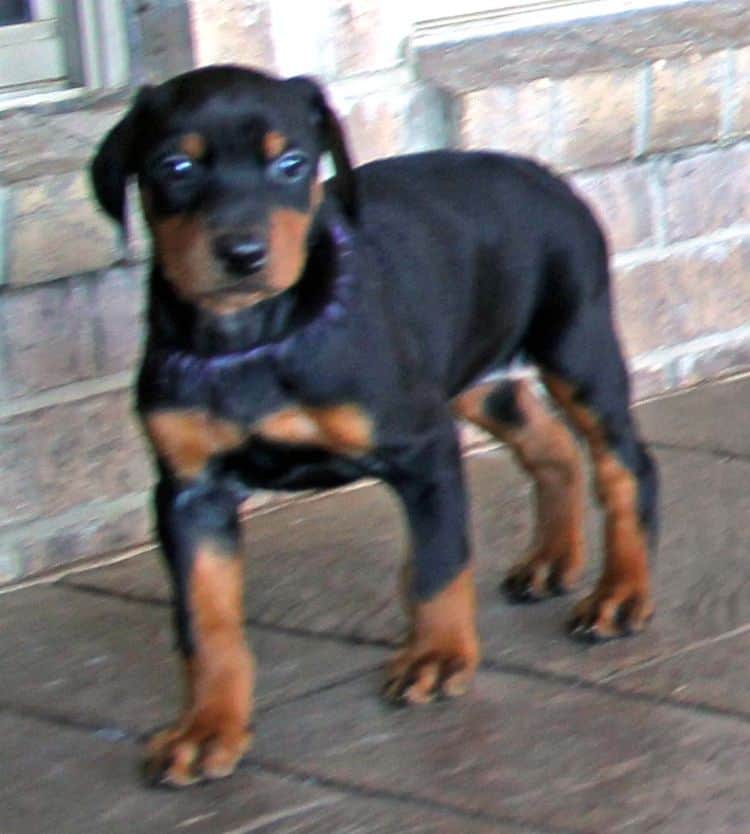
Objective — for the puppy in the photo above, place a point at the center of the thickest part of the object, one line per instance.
(302, 335)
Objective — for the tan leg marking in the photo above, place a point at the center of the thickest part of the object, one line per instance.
(547, 451)
(442, 652)
(621, 602)
(344, 429)
(187, 440)
(213, 731)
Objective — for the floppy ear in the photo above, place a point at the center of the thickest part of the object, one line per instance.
(115, 162)
(332, 132)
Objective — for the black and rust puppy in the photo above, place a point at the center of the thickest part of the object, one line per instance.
(305, 337)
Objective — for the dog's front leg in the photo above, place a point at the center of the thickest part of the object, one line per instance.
(442, 650)
(199, 531)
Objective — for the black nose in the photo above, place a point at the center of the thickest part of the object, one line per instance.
(242, 255)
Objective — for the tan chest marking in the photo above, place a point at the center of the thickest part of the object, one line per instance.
(344, 429)
(187, 440)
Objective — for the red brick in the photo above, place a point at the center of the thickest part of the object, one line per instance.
(227, 31)
(117, 310)
(98, 529)
(621, 199)
(19, 497)
(374, 126)
(363, 39)
(597, 115)
(686, 101)
(741, 121)
(666, 302)
(708, 192)
(48, 338)
(63, 240)
(40, 193)
(515, 119)
(87, 450)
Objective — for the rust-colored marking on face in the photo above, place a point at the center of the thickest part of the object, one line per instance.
(442, 652)
(213, 731)
(273, 144)
(546, 450)
(187, 440)
(625, 574)
(343, 429)
(183, 249)
(287, 247)
(193, 145)
(316, 194)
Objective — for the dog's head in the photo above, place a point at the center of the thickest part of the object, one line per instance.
(227, 165)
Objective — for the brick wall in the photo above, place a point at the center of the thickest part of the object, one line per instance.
(73, 466)
(662, 153)
(647, 113)
(650, 118)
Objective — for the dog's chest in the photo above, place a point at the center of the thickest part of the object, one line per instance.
(189, 440)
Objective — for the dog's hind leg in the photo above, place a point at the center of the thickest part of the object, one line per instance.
(546, 450)
(199, 532)
(584, 371)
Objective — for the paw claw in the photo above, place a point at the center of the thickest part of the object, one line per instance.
(179, 758)
(423, 679)
(609, 614)
(532, 581)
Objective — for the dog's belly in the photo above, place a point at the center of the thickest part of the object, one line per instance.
(263, 465)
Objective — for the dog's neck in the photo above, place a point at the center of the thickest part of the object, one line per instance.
(185, 327)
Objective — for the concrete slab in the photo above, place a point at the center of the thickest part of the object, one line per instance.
(528, 751)
(713, 674)
(60, 780)
(109, 664)
(56, 779)
(712, 416)
(330, 566)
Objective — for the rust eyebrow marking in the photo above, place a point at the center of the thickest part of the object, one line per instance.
(273, 144)
(193, 145)
(187, 440)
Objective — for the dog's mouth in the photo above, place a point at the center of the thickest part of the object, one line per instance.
(244, 269)
(232, 298)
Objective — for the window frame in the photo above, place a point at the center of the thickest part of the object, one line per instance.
(79, 45)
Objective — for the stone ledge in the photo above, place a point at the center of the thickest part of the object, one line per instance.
(487, 50)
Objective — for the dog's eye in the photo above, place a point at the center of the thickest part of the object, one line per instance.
(176, 166)
(290, 167)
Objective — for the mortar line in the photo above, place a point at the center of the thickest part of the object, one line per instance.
(602, 686)
(714, 451)
(118, 735)
(105, 731)
(490, 665)
(357, 789)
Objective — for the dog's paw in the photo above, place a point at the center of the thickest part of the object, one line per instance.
(536, 579)
(418, 676)
(191, 752)
(611, 611)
